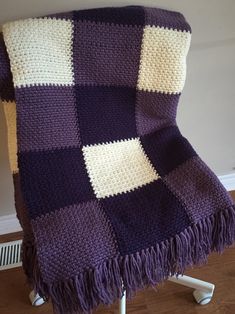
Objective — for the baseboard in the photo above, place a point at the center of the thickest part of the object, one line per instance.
(228, 181)
(10, 224)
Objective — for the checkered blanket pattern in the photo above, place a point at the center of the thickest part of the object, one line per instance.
(110, 194)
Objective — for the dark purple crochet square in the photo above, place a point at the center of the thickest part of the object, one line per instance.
(129, 15)
(6, 81)
(167, 149)
(51, 112)
(106, 54)
(105, 113)
(144, 217)
(155, 111)
(53, 179)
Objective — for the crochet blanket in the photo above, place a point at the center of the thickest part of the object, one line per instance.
(110, 195)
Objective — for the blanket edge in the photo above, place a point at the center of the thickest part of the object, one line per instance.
(107, 282)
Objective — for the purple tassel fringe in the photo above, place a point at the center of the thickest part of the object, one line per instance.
(107, 282)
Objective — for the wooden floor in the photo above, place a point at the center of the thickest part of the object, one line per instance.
(169, 299)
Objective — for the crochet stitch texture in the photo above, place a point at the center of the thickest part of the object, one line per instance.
(110, 195)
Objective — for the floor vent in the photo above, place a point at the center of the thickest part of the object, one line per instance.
(10, 254)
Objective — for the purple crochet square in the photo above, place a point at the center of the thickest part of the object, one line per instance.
(53, 179)
(51, 112)
(83, 237)
(129, 15)
(105, 113)
(195, 184)
(144, 216)
(106, 54)
(155, 111)
(167, 149)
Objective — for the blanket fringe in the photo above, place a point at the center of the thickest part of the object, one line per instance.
(107, 282)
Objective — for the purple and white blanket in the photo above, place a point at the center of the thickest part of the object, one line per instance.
(111, 196)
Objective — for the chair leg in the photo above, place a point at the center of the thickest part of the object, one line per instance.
(122, 304)
(203, 291)
(35, 299)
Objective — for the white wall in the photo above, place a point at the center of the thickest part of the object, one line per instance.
(206, 113)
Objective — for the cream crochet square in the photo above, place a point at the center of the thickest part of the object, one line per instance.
(118, 167)
(40, 50)
(163, 60)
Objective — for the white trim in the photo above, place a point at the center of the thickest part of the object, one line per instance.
(228, 181)
(9, 224)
